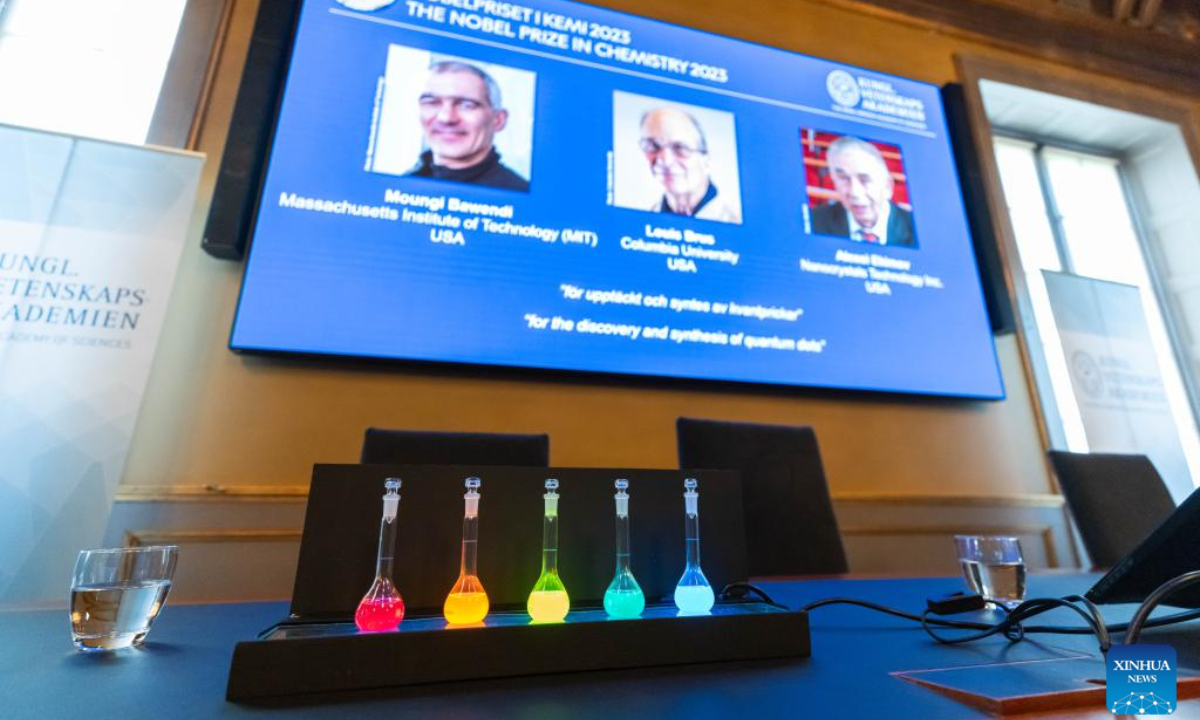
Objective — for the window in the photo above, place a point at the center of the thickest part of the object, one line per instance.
(85, 67)
(1071, 213)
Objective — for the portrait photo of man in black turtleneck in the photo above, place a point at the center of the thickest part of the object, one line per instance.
(453, 119)
(461, 111)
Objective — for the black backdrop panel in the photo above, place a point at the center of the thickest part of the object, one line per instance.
(979, 215)
(236, 193)
(341, 533)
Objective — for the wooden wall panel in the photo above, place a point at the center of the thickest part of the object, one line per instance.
(214, 418)
(244, 547)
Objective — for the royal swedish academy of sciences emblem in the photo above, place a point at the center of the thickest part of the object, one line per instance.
(1087, 373)
(365, 5)
(843, 88)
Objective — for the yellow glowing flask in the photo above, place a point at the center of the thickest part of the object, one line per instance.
(549, 602)
(467, 602)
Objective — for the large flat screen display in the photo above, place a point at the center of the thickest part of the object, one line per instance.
(552, 185)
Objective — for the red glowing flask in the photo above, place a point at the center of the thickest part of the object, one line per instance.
(382, 608)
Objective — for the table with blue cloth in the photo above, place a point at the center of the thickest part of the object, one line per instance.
(182, 670)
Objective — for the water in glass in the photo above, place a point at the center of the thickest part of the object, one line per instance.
(114, 616)
(1002, 582)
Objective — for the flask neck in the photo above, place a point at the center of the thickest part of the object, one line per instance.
(470, 545)
(387, 547)
(550, 544)
(691, 532)
(622, 544)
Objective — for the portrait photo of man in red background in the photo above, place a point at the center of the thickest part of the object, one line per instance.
(857, 189)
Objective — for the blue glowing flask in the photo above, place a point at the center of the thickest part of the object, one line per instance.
(624, 598)
(693, 594)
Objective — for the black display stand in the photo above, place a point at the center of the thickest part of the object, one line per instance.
(318, 649)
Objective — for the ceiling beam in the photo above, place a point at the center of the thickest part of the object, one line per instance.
(1123, 10)
(1148, 13)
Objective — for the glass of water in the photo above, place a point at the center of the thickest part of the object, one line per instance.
(993, 567)
(117, 592)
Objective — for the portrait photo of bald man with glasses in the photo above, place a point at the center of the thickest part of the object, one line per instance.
(681, 168)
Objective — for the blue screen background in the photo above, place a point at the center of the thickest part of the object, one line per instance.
(339, 284)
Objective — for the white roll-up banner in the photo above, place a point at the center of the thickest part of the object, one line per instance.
(1115, 375)
(90, 239)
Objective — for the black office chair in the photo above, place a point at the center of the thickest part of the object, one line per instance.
(417, 447)
(790, 525)
(1117, 500)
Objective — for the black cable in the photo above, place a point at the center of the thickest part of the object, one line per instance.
(1102, 631)
(1015, 631)
(968, 625)
(1160, 622)
(728, 593)
(963, 624)
(1138, 621)
(1013, 625)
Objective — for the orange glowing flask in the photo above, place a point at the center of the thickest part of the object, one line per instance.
(467, 602)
